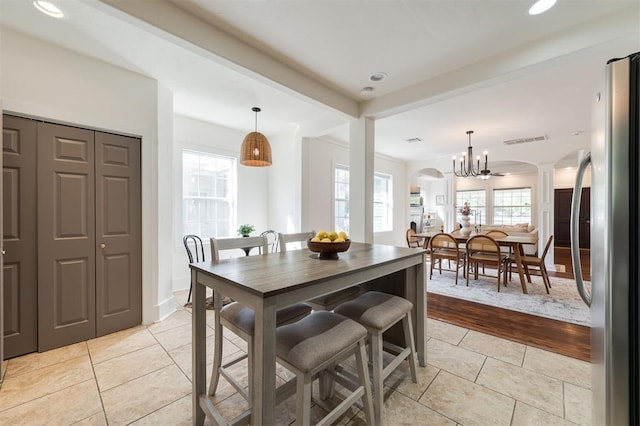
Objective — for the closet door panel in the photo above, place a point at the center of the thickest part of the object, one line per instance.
(66, 235)
(118, 233)
(20, 304)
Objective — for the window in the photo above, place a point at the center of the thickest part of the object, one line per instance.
(477, 202)
(511, 206)
(382, 202)
(208, 194)
(341, 199)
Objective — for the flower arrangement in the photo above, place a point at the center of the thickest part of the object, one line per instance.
(465, 210)
(245, 230)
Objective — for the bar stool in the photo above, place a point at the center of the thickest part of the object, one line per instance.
(378, 312)
(329, 301)
(314, 345)
(241, 319)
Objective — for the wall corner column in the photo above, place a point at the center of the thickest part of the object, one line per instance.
(546, 204)
(361, 170)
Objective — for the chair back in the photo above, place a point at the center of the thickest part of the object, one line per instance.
(412, 240)
(497, 234)
(482, 243)
(298, 237)
(442, 241)
(272, 240)
(198, 249)
(546, 248)
(244, 243)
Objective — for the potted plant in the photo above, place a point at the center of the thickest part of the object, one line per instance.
(245, 230)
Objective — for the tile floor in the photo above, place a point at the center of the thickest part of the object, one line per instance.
(142, 376)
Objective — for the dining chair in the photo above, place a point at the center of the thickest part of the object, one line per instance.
(484, 250)
(241, 319)
(328, 301)
(412, 240)
(535, 262)
(444, 247)
(272, 240)
(196, 242)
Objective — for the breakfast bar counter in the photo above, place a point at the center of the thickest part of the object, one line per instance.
(273, 281)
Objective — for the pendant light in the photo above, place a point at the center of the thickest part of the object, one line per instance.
(255, 151)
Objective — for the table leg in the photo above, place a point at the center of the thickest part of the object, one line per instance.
(264, 365)
(517, 251)
(420, 305)
(199, 348)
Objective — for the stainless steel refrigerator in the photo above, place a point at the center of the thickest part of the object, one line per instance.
(615, 252)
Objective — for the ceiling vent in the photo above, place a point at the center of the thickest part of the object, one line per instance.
(526, 140)
(413, 140)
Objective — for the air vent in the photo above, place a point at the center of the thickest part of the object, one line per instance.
(526, 140)
(413, 140)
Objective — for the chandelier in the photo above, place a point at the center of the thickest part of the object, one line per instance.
(255, 150)
(467, 168)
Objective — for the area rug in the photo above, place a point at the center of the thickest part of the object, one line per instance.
(562, 304)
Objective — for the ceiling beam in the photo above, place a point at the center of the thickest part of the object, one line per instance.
(508, 65)
(169, 21)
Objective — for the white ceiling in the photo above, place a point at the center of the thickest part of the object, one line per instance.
(452, 65)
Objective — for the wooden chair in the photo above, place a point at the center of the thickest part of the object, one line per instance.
(444, 247)
(535, 262)
(272, 240)
(412, 240)
(241, 319)
(328, 301)
(484, 250)
(198, 249)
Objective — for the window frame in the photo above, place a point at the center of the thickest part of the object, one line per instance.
(525, 206)
(344, 168)
(232, 190)
(477, 218)
(387, 204)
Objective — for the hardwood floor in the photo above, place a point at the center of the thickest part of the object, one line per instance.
(556, 336)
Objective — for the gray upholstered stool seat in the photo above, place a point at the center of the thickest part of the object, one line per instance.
(315, 343)
(378, 312)
(244, 318)
(329, 301)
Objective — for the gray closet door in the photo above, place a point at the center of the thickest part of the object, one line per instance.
(20, 296)
(66, 236)
(118, 233)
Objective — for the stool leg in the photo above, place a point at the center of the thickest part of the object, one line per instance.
(409, 343)
(363, 373)
(377, 387)
(250, 368)
(303, 404)
(217, 350)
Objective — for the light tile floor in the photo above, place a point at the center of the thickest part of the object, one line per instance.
(142, 376)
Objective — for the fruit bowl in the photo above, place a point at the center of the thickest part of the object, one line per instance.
(328, 250)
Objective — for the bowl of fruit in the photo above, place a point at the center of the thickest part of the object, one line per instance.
(329, 244)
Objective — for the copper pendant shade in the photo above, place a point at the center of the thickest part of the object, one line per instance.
(255, 150)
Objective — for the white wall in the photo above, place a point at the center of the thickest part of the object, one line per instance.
(42, 80)
(253, 183)
(319, 157)
(566, 178)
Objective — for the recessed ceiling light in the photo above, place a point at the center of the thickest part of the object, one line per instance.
(366, 91)
(48, 8)
(378, 77)
(541, 6)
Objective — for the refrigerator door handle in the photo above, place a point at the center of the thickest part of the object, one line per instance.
(575, 225)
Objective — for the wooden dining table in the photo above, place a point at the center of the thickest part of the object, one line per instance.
(273, 281)
(516, 243)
